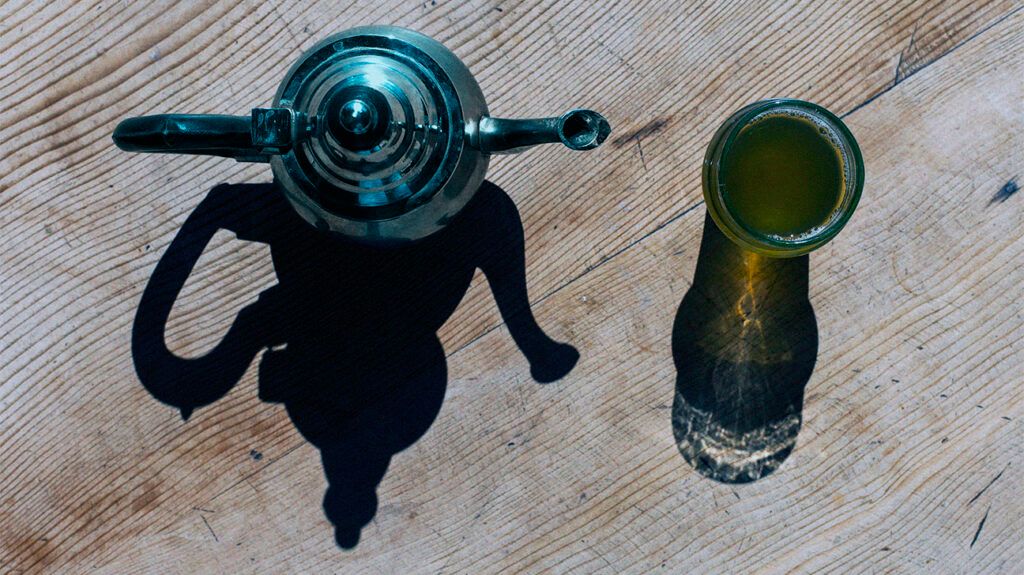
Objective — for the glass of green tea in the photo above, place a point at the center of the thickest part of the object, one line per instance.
(782, 177)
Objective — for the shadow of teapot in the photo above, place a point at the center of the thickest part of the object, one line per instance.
(348, 335)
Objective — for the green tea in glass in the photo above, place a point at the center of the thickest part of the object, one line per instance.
(782, 177)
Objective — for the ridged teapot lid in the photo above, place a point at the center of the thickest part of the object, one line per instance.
(381, 122)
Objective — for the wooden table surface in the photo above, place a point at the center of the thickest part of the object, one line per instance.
(910, 454)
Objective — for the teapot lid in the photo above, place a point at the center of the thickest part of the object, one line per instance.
(379, 126)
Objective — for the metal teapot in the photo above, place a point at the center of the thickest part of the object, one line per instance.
(379, 133)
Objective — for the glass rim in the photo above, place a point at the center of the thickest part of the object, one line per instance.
(765, 244)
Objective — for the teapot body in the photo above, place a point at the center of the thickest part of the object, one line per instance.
(375, 197)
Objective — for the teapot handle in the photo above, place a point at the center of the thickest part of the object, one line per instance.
(254, 138)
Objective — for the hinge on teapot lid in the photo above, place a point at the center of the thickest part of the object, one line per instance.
(272, 128)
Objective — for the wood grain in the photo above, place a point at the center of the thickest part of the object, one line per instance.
(912, 420)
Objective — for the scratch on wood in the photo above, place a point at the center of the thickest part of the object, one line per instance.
(980, 525)
(994, 479)
(207, 523)
(640, 149)
(616, 55)
(249, 483)
(603, 558)
(1004, 193)
(285, 21)
(932, 60)
(905, 52)
(896, 275)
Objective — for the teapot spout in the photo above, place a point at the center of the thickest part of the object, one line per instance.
(576, 129)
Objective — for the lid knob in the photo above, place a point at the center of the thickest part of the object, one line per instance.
(358, 117)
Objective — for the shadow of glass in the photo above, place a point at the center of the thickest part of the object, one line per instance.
(348, 334)
(744, 342)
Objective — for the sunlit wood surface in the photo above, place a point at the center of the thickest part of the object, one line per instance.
(911, 453)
